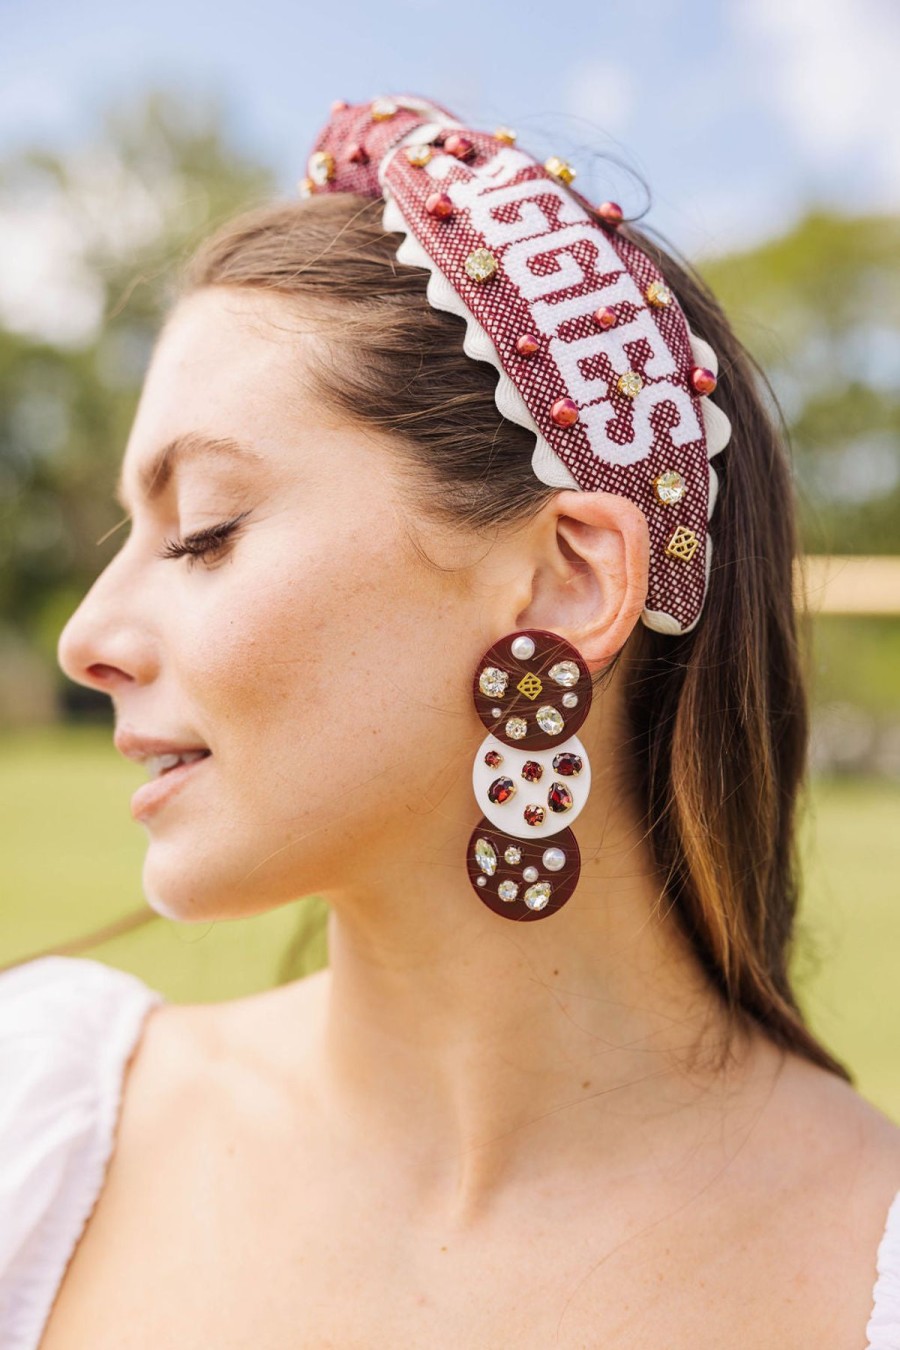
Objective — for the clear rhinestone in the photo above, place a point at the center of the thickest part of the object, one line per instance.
(658, 294)
(513, 855)
(517, 727)
(553, 859)
(630, 383)
(523, 648)
(537, 897)
(531, 874)
(492, 682)
(321, 167)
(549, 720)
(485, 857)
(481, 264)
(418, 155)
(570, 700)
(565, 673)
(508, 890)
(669, 487)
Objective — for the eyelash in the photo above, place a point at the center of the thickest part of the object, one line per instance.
(202, 542)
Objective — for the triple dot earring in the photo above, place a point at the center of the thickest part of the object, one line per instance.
(531, 775)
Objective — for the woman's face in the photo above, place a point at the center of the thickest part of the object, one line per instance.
(322, 661)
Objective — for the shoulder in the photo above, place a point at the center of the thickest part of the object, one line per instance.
(67, 1029)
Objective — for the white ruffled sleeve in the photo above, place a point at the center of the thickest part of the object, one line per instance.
(883, 1327)
(68, 1027)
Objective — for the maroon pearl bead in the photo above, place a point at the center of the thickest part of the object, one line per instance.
(527, 344)
(339, 105)
(703, 380)
(611, 212)
(440, 205)
(604, 317)
(564, 412)
(357, 154)
(458, 146)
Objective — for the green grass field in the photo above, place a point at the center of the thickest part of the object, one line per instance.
(71, 862)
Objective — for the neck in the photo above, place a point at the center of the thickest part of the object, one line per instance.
(480, 1046)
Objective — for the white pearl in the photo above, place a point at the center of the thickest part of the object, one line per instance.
(553, 859)
(522, 648)
(570, 700)
(531, 874)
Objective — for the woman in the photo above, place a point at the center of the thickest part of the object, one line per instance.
(611, 1126)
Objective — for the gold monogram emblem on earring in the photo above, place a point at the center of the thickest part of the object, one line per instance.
(530, 686)
(683, 544)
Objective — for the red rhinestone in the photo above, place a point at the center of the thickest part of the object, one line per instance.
(458, 146)
(532, 770)
(604, 317)
(493, 759)
(357, 154)
(501, 790)
(611, 212)
(439, 204)
(703, 380)
(568, 764)
(527, 344)
(534, 815)
(564, 412)
(559, 798)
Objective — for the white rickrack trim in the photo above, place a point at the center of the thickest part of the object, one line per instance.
(546, 464)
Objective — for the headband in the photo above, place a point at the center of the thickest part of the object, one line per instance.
(594, 354)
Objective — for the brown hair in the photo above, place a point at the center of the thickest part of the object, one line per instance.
(717, 717)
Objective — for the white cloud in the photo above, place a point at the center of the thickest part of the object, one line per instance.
(602, 93)
(830, 69)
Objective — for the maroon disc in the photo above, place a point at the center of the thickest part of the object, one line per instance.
(498, 875)
(532, 701)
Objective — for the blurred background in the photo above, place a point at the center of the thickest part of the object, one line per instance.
(758, 138)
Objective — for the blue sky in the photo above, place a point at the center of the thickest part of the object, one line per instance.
(738, 113)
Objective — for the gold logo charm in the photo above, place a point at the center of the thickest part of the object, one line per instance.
(530, 686)
(683, 544)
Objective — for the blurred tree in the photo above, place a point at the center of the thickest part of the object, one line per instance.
(94, 234)
(820, 310)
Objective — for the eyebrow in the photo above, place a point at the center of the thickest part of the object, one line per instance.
(155, 476)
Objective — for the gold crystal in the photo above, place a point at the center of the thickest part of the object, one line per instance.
(530, 686)
(683, 544)
(306, 187)
(321, 167)
(481, 264)
(669, 487)
(418, 155)
(505, 135)
(658, 294)
(630, 383)
(558, 168)
(382, 109)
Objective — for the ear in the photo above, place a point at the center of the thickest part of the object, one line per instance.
(589, 571)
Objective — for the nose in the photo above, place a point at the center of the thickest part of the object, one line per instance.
(106, 644)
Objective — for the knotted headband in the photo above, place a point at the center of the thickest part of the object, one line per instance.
(594, 354)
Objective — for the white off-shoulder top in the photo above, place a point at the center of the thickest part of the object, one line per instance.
(68, 1027)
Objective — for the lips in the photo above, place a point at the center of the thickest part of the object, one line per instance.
(151, 796)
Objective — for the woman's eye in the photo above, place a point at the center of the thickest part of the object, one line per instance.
(203, 544)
